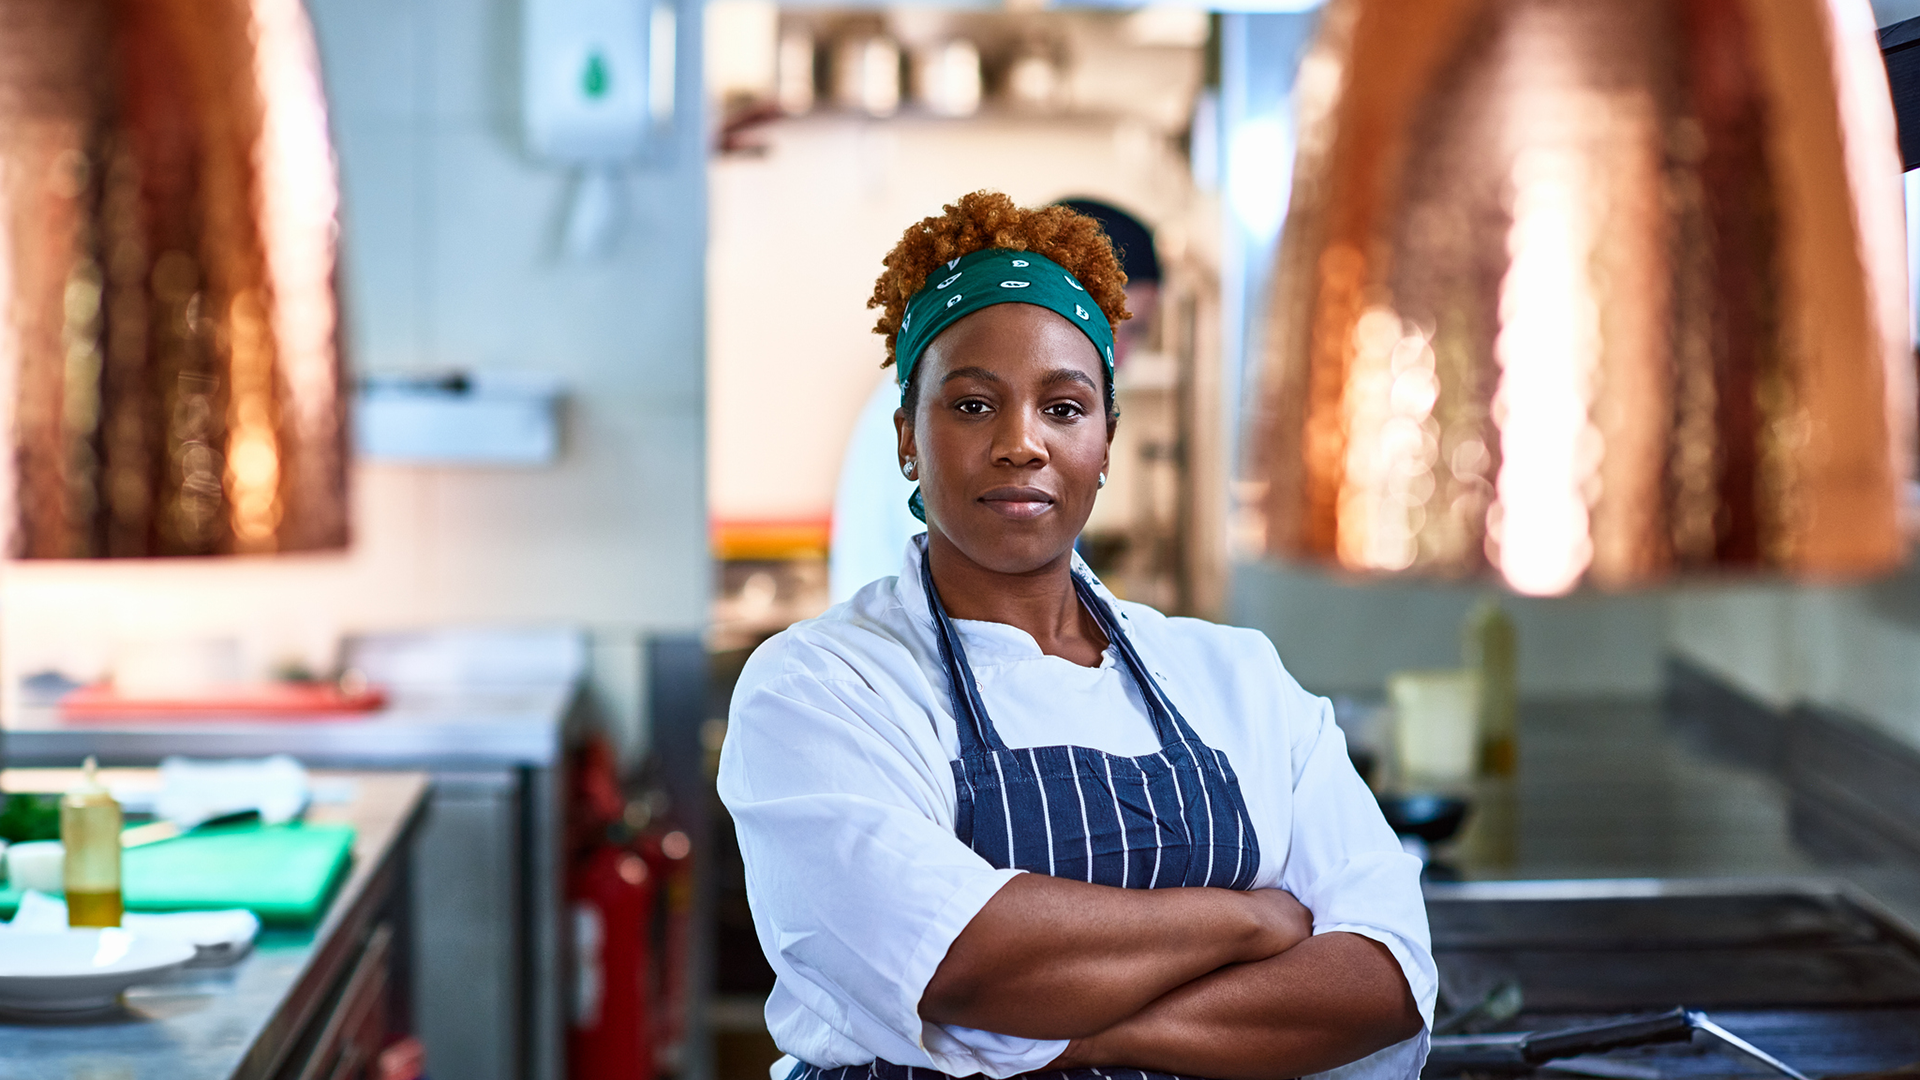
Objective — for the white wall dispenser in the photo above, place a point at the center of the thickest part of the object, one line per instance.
(597, 88)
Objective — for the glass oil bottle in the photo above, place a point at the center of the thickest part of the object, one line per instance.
(1490, 647)
(90, 832)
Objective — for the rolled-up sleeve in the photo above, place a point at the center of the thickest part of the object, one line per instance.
(1345, 864)
(857, 882)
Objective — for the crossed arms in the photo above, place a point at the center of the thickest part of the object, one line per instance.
(1201, 982)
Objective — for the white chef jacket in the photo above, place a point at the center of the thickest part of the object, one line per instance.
(836, 768)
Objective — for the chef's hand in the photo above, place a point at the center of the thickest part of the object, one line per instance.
(1285, 921)
(1331, 1000)
(1054, 958)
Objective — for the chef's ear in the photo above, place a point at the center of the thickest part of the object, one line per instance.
(903, 431)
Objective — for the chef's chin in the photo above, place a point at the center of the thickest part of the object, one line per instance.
(1012, 543)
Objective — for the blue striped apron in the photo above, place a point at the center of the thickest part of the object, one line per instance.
(1173, 818)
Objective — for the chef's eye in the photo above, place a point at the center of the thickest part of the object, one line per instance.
(972, 407)
(1065, 410)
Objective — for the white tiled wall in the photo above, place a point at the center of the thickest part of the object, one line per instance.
(450, 258)
(1856, 648)
(1339, 637)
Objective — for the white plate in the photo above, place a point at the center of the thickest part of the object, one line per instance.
(68, 972)
(221, 937)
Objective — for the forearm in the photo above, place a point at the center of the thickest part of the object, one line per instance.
(1048, 958)
(1328, 1001)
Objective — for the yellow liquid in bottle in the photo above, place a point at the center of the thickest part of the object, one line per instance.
(94, 908)
(1490, 646)
(90, 831)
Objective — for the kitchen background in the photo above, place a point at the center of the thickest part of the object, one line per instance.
(710, 383)
(451, 260)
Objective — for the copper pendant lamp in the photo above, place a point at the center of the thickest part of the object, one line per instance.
(1590, 293)
(167, 230)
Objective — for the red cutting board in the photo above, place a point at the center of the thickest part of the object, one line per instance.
(314, 701)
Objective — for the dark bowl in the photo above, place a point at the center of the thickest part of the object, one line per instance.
(1433, 818)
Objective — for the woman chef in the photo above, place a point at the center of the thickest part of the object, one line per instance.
(995, 820)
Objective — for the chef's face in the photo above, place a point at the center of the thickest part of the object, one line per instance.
(1010, 435)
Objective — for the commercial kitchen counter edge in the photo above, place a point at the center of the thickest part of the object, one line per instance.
(512, 726)
(288, 1006)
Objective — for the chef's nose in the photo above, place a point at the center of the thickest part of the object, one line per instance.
(1019, 440)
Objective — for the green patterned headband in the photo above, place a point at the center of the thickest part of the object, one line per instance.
(995, 276)
(985, 278)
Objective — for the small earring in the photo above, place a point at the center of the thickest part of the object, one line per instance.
(1103, 479)
(909, 469)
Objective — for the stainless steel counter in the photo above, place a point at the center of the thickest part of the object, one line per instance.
(487, 895)
(488, 727)
(1634, 863)
(260, 1018)
(1808, 972)
(1613, 789)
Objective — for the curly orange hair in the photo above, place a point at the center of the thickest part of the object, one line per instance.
(988, 219)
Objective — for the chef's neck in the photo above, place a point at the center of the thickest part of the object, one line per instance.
(1040, 600)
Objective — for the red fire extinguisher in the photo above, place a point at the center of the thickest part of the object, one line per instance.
(668, 852)
(613, 892)
(631, 890)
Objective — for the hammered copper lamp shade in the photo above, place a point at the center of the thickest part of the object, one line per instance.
(1596, 292)
(167, 230)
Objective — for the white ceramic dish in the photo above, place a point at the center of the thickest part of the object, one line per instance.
(72, 972)
(219, 937)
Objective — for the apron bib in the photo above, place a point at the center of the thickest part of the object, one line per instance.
(1173, 818)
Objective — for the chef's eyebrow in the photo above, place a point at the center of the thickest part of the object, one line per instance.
(1057, 375)
(1060, 375)
(972, 373)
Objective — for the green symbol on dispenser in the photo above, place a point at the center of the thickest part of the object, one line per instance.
(593, 79)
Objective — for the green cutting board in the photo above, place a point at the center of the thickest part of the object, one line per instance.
(285, 874)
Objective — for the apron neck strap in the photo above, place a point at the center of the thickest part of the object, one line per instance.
(969, 712)
(1167, 721)
(975, 728)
